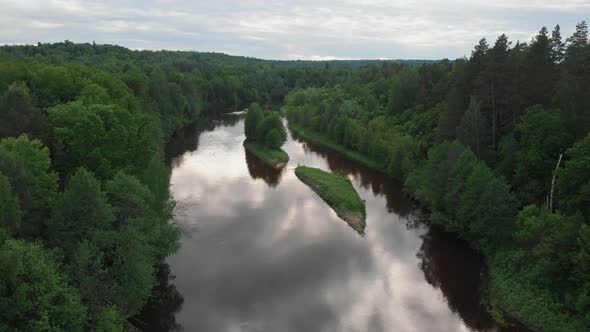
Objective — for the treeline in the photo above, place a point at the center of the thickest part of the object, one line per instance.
(85, 207)
(173, 86)
(497, 146)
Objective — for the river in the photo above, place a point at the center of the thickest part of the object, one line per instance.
(262, 252)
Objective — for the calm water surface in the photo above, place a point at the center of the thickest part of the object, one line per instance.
(262, 252)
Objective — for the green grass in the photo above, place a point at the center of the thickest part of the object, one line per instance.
(338, 192)
(271, 157)
(322, 140)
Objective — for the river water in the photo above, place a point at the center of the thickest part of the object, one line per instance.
(262, 252)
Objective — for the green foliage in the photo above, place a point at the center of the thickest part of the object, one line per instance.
(338, 192)
(403, 92)
(574, 84)
(132, 270)
(264, 127)
(102, 138)
(274, 139)
(573, 184)
(28, 166)
(253, 118)
(18, 114)
(34, 294)
(271, 122)
(507, 154)
(110, 110)
(94, 94)
(265, 134)
(272, 157)
(581, 262)
(487, 207)
(91, 275)
(541, 137)
(81, 211)
(530, 304)
(325, 141)
(156, 176)
(540, 72)
(472, 130)
(552, 240)
(429, 182)
(129, 198)
(10, 212)
(460, 172)
(505, 131)
(110, 320)
(465, 195)
(132, 204)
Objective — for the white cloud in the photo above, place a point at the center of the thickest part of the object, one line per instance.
(308, 29)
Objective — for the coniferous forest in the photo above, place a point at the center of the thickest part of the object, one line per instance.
(495, 145)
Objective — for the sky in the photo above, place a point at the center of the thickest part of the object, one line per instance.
(289, 29)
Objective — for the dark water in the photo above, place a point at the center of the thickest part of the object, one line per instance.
(262, 252)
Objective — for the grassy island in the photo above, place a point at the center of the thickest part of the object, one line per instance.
(338, 192)
(274, 157)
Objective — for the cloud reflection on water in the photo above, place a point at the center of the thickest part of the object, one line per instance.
(265, 256)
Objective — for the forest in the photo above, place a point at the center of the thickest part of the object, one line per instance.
(496, 146)
(85, 206)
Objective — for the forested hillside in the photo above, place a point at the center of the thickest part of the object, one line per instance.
(497, 147)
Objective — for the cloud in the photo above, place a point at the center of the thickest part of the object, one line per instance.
(306, 29)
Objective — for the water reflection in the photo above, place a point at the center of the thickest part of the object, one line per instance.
(260, 170)
(187, 138)
(272, 256)
(443, 259)
(159, 313)
(380, 184)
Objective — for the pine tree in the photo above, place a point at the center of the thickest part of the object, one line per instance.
(495, 86)
(472, 130)
(539, 71)
(557, 45)
(574, 86)
(580, 37)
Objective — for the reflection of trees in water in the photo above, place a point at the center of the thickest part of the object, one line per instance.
(260, 170)
(187, 138)
(159, 312)
(454, 267)
(451, 265)
(379, 183)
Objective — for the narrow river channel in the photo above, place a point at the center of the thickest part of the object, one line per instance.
(262, 252)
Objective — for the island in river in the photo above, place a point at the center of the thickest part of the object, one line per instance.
(265, 134)
(338, 192)
(276, 158)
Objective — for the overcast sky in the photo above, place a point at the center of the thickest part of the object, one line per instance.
(293, 29)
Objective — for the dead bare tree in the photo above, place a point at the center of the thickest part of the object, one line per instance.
(553, 182)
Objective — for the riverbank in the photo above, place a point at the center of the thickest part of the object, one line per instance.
(326, 142)
(337, 191)
(272, 157)
(499, 308)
